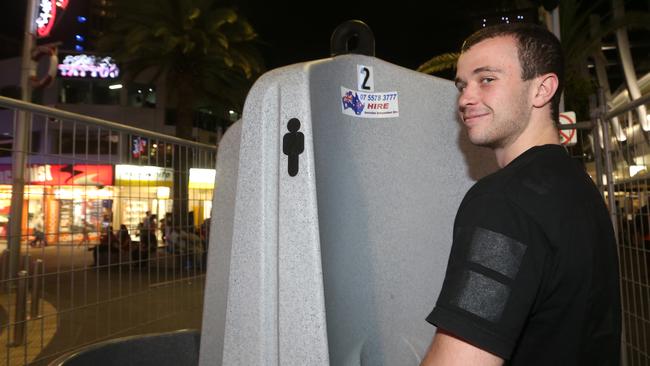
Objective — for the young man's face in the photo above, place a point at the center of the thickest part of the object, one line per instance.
(494, 101)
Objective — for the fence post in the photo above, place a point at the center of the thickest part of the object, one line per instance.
(22, 129)
(26, 264)
(4, 267)
(20, 320)
(36, 288)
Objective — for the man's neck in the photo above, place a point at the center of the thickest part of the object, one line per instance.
(536, 134)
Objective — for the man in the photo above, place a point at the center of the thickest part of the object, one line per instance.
(532, 277)
(146, 223)
(39, 237)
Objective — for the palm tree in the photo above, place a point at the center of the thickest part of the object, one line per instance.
(578, 42)
(204, 50)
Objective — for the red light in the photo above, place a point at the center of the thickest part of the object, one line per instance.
(47, 15)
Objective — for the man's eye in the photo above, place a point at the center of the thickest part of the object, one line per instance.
(487, 80)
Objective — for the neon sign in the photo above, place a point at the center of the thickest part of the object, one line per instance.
(143, 175)
(62, 174)
(47, 15)
(89, 66)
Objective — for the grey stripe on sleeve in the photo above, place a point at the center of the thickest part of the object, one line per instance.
(496, 251)
(480, 295)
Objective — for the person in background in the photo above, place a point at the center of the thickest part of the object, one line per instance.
(153, 226)
(109, 245)
(532, 276)
(147, 220)
(124, 239)
(39, 237)
(205, 232)
(85, 231)
(166, 226)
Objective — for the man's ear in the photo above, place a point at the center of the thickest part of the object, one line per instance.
(545, 87)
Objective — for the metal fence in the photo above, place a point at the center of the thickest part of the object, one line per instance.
(625, 177)
(112, 236)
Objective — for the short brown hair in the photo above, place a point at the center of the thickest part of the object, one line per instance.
(538, 49)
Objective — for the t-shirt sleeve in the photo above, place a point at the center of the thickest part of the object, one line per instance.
(493, 276)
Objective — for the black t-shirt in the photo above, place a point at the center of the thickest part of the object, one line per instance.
(533, 272)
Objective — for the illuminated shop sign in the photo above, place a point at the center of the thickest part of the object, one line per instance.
(47, 15)
(62, 174)
(74, 193)
(138, 147)
(81, 66)
(202, 178)
(145, 176)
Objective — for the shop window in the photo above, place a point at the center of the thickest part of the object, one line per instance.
(103, 93)
(141, 95)
(74, 91)
(80, 143)
(35, 209)
(207, 120)
(35, 142)
(204, 119)
(146, 153)
(88, 91)
(7, 143)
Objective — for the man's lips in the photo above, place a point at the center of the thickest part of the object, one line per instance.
(468, 118)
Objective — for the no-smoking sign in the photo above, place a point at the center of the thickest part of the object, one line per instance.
(568, 137)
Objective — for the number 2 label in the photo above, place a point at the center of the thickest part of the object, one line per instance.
(365, 78)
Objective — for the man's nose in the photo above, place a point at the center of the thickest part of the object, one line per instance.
(466, 97)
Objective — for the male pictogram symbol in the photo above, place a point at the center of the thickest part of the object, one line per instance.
(293, 144)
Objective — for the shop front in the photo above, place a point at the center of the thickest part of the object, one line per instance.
(142, 189)
(68, 202)
(201, 188)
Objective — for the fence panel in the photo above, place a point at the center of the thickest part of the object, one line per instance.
(629, 200)
(112, 235)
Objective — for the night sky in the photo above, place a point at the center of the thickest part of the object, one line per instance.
(406, 32)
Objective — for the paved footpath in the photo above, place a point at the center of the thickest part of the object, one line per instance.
(83, 304)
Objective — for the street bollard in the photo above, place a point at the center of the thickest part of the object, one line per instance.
(27, 263)
(20, 321)
(4, 265)
(36, 288)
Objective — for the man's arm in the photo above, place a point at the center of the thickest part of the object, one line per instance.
(447, 350)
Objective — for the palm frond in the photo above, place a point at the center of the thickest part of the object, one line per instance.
(442, 62)
(200, 42)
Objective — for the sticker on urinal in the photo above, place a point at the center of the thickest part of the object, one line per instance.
(369, 105)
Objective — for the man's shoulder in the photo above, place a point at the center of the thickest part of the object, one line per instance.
(551, 177)
(542, 170)
(544, 176)
(492, 186)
